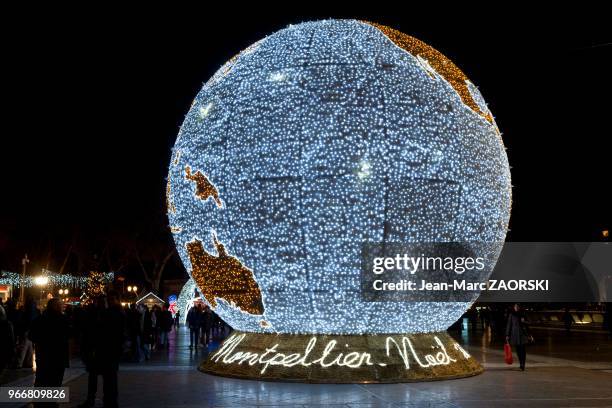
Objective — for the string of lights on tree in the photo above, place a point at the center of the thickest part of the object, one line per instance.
(51, 279)
(317, 139)
(96, 284)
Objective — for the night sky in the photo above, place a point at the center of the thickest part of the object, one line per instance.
(96, 103)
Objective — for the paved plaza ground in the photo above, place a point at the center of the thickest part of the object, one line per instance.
(562, 371)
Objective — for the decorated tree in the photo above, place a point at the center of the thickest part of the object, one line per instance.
(96, 285)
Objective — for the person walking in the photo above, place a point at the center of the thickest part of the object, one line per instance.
(165, 325)
(50, 334)
(102, 348)
(134, 330)
(147, 331)
(155, 327)
(205, 324)
(517, 333)
(193, 322)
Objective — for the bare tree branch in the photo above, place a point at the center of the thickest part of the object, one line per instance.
(154, 274)
(61, 270)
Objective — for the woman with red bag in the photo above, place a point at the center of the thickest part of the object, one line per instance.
(508, 354)
(517, 334)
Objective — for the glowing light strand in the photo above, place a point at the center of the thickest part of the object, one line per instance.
(54, 279)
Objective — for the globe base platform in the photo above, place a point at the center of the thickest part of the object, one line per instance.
(367, 358)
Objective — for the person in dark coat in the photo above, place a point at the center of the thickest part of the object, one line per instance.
(12, 313)
(7, 340)
(165, 325)
(147, 331)
(205, 324)
(29, 313)
(194, 321)
(134, 331)
(50, 334)
(155, 320)
(102, 348)
(517, 333)
(215, 324)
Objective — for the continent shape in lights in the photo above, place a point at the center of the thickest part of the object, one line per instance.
(312, 141)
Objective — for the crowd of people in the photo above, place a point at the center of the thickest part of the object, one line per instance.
(103, 333)
(204, 325)
(97, 331)
(17, 350)
(147, 330)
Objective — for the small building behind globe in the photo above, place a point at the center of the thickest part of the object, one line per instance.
(150, 300)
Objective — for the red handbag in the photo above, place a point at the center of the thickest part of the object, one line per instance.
(507, 353)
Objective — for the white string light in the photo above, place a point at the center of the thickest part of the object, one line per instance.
(186, 299)
(48, 278)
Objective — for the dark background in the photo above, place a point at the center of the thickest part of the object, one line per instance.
(96, 99)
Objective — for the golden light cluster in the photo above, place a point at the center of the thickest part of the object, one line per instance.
(169, 202)
(96, 283)
(204, 188)
(224, 276)
(442, 65)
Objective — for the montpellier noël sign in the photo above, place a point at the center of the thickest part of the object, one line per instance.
(341, 359)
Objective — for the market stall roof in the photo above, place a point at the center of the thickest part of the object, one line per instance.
(150, 299)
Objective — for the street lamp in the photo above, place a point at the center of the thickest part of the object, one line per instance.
(24, 263)
(41, 280)
(131, 293)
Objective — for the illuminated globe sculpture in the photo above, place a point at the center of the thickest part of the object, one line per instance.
(310, 142)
